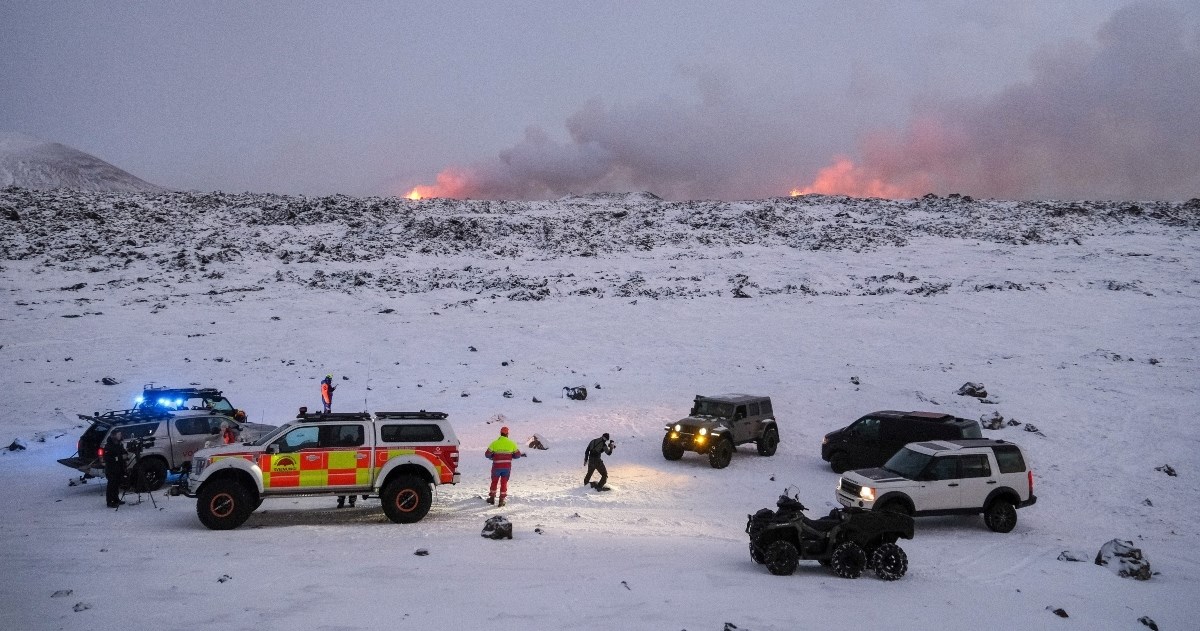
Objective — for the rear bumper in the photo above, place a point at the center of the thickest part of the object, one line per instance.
(92, 467)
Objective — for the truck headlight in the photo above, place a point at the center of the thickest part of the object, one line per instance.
(867, 493)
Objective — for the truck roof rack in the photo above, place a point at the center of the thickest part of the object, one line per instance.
(115, 417)
(410, 415)
(334, 416)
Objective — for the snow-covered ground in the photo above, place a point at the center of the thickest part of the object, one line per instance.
(1081, 319)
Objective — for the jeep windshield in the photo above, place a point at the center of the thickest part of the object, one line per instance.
(907, 463)
(712, 408)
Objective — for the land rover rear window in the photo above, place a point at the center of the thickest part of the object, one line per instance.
(1009, 458)
(411, 433)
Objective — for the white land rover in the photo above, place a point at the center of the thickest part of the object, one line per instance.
(946, 477)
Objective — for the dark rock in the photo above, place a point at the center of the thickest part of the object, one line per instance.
(1167, 469)
(971, 389)
(1127, 561)
(1147, 502)
(536, 400)
(508, 394)
(1068, 555)
(17, 445)
(497, 527)
(575, 394)
(471, 348)
(421, 552)
(61, 593)
(388, 310)
(1030, 427)
(75, 287)
(1060, 612)
(992, 421)
(1148, 622)
(503, 363)
(537, 442)
(81, 606)
(854, 380)
(109, 381)
(1012, 422)
(345, 378)
(224, 577)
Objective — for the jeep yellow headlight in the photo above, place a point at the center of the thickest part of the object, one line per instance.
(699, 440)
(867, 493)
(674, 435)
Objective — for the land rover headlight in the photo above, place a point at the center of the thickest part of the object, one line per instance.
(703, 431)
(867, 493)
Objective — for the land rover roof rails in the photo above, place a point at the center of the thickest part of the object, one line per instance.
(410, 415)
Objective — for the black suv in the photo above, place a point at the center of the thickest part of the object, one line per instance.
(872, 439)
(716, 424)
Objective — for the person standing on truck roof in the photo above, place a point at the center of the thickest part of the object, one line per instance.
(114, 468)
(501, 452)
(327, 389)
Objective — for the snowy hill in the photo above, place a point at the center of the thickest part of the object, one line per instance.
(1079, 317)
(32, 163)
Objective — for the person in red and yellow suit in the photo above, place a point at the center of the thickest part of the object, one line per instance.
(327, 389)
(501, 452)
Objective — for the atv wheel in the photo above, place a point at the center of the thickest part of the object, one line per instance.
(149, 475)
(223, 504)
(1001, 516)
(721, 453)
(848, 560)
(781, 558)
(839, 462)
(769, 442)
(889, 561)
(406, 499)
(671, 450)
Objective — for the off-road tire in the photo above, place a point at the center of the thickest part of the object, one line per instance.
(223, 504)
(1000, 516)
(781, 557)
(149, 475)
(755, 555)
(896, 506)
(890, 561)
(406, 499)
(671, 450)
(720, 454)
(848, 560)
(769, 442)
(839, 462)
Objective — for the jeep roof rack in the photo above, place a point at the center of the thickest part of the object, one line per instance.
(410, 415)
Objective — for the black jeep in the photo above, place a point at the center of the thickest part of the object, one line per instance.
(716, 424)
(849, 540)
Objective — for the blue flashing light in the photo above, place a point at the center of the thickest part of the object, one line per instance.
(164, 403)
(178, 403)
(139, 400)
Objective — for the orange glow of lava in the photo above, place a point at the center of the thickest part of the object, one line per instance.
(844, 178)
(451, 183)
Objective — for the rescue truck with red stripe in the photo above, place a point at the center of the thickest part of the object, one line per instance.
(397, 456)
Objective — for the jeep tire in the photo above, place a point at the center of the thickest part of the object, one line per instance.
(781, 557)
(406, 499)
(769, 442)
(149, 475)
(223, 504)
(670, 449)
(890, 561)
(720, 454)
(1000, 516)
(848, 560)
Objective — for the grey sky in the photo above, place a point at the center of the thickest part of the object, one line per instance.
(535, 99)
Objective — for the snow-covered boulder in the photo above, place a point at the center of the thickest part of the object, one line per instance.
(1127, 561)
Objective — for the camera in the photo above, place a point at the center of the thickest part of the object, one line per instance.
(135, 446)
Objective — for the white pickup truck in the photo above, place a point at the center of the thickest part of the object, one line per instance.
(398, 456)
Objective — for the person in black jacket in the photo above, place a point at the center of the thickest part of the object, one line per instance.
(593, 457)
(114, 468)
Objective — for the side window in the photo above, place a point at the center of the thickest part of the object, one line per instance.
(192, 425)
(139, 431)
(766, 407)
(341, 436)
(740, 413)
(753, 409)
(297, 439)
(214, 423)
(976, 466)
(1009, 459)
(868, 427)
(220, 405)
(943, 468)
(411, 434)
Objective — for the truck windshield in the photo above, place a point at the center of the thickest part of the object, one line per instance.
(907, 463)
(712, 408)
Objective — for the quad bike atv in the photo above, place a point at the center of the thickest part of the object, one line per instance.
(849, 540)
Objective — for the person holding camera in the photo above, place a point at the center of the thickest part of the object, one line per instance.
(593, 457)
(114, 468)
